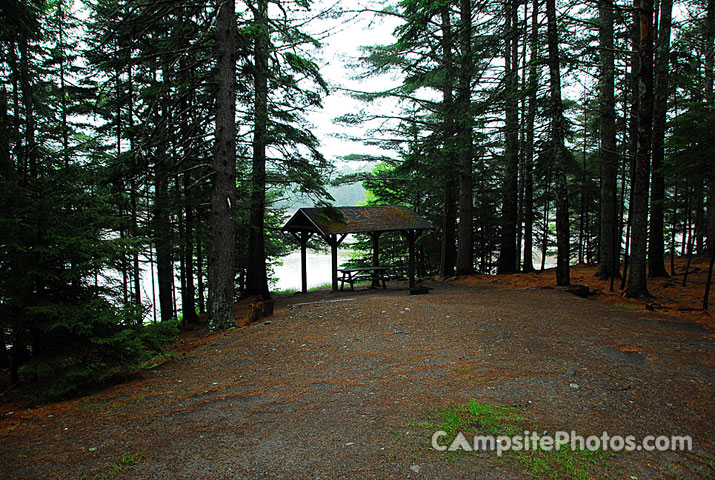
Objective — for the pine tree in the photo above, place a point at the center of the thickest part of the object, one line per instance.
(256, 279)
(531, 89)
(637, 281)
(449, 201)
(608, 237)
(710, 98)
(223, 193)
(465, 232)
(508, 261)
(656, 240)
(69, 328)
(559, 149)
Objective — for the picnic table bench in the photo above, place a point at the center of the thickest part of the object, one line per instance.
(352, 275)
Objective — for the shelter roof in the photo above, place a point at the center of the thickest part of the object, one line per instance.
(343, 220)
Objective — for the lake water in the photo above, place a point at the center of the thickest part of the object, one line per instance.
(318, 270)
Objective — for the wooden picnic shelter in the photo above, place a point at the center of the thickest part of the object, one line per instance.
(333, 224)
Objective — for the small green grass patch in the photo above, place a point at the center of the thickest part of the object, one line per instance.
(320, 287)
(124, 464)
(96, 407)
(475, 419)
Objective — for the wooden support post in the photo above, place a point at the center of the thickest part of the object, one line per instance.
(375, 257)
(334, 261)
(411, 236)
(334, 241)
(303, 260)
(302, 237)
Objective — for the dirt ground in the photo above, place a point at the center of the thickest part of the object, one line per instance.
(350, 385)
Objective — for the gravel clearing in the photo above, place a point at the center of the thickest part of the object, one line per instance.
(338, 390)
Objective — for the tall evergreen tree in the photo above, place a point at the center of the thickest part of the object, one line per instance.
(449, 215)
(223, 192)
(558, 133)
(256, 280)
(637, 281)
(286, 82)
(608, 237)
(465, 245)
(656, 240)
(532, 89)
(70, 323)
(508, 261)
(710, 98)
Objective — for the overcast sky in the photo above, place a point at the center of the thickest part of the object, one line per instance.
(341, 49)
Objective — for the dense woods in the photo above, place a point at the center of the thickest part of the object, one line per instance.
(147, 142)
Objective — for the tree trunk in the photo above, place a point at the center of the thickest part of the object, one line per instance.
(687, 221)
(188, 298)
(632, 138)
(673, 231)
(529, 146)
(656, 241)
(465, 247)
(17, 148)
(559, 150)
(507, 251)
(30, 151)
(449, 227)
(162, 215)
(162, 232)
(710, 98)
(200, 266)
(7, 170)
(700, 216)
(547, 209)
(583, 211)
(153, 280)
(621, 204)
(133, 194)
(136, 271)
(256, 279)
(63, 87)
(181, 246)
(709, 280)
(6, 174)
(3, 349)
(691, 241)
(710, 53)
(188, 291)
(223, 192)
(637, 281)
(608, 153)
(449, 217)
(120, 182)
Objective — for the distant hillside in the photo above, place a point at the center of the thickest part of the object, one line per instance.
(344, 195)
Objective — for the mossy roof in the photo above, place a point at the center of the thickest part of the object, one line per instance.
(343, 220)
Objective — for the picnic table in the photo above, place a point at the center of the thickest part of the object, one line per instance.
(352, 275)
